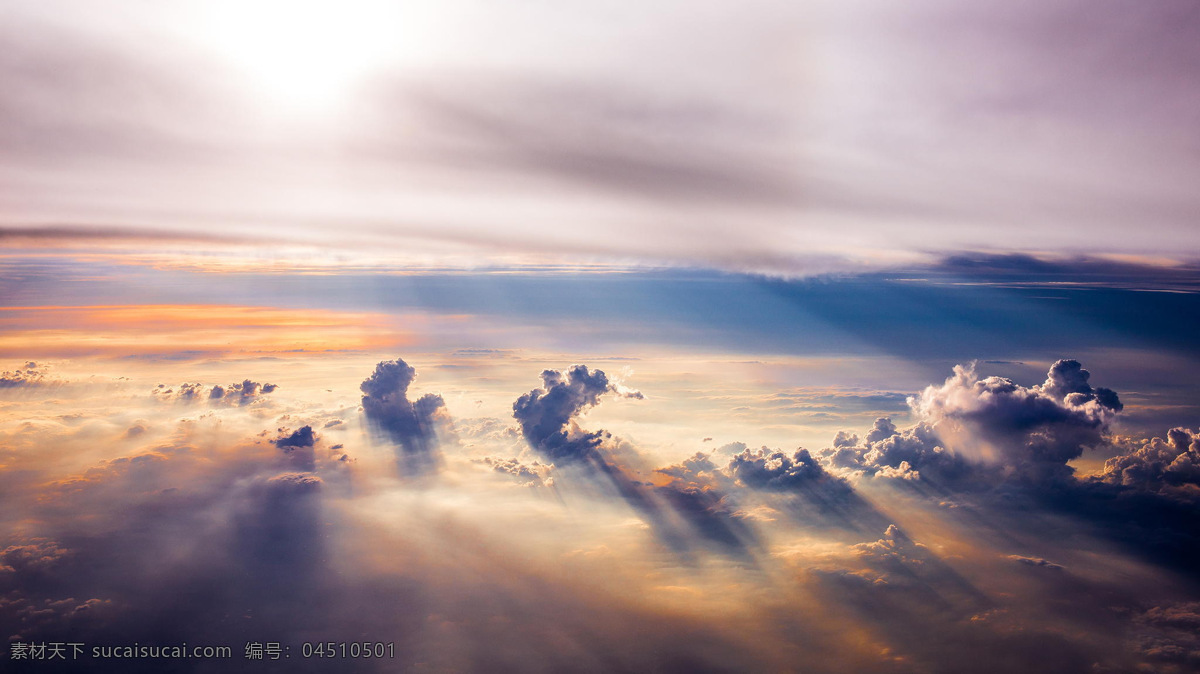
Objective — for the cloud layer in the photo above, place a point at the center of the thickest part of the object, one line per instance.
(778, 136)
(542, 542)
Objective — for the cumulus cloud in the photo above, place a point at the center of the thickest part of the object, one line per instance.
(699, 492)
(530, 475)
(689, 509)
(237, 394)
(979, 431)
(29, 375)
(242, 393)
(809, 492)
(1032, 432)
(546, 414)
(1004, 448)
(765, 469)
(1159, 463)
(913, 453)
(298, 447)
(411, 425)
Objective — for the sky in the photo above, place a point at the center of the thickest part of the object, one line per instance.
(684, 337)
(779, 137)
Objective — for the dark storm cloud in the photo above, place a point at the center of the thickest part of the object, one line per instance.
(303, 437)
(300, 438)
(412, 426)
(246, 391)
(1159, 522)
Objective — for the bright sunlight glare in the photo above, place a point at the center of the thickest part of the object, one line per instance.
(309, 55)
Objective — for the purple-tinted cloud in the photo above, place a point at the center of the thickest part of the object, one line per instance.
(411, 425)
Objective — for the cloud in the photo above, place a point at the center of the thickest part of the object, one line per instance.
(699, 492)
(626, 123)
(29, 375)
(978, 432)
(301, 438)
(218, 533)
(206, 540)
(180, 544)
(914, 453)
(1159, 463)
(1023, 270)
(802, 487)
(1031, 431)
(929, 617)
(411, 425)
(241, 393)
(546, 414)
(1002, 450)
(1036, 562)
(688, 510)
(900, 560)
(1168, 637)
(530, 475)
(298, 447)
(776, 471)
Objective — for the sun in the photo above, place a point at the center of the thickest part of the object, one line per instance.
(308, 55)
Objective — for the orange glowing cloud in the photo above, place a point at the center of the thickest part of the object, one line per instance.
(207, 329)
